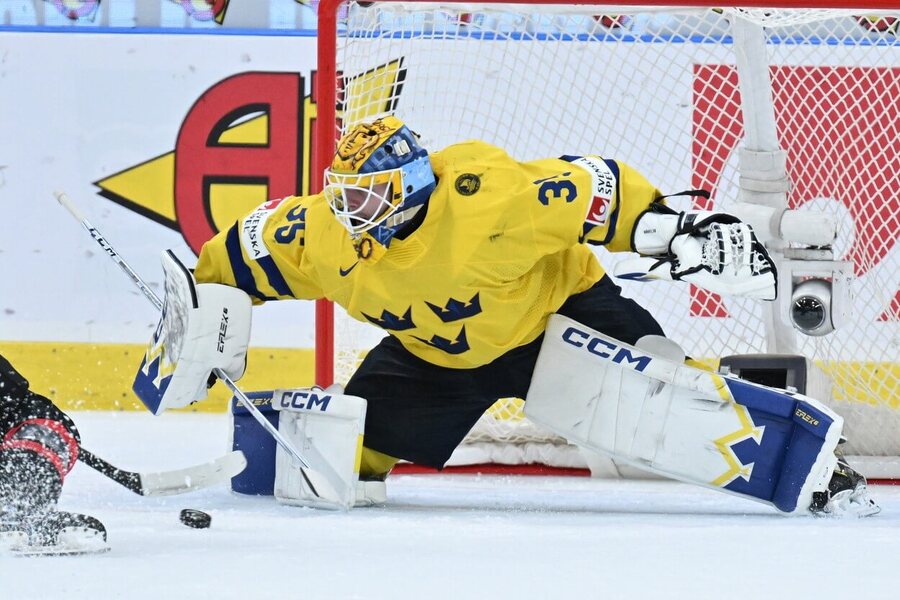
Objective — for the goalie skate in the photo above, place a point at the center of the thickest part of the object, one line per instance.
(52, 534)
(847, 495)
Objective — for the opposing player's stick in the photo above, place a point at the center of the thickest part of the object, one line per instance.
(317, 482)
(167, 483)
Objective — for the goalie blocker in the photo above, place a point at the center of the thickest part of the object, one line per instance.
(643, 406)
(203, 327)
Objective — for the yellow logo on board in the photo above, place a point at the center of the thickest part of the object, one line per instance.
(246, 139)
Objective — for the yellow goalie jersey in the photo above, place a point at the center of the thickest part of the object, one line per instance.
(501, 247)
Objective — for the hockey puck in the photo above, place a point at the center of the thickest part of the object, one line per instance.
(195, 518)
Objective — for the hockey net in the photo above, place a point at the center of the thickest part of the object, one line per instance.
(657, 87)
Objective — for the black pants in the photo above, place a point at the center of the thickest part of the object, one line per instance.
(18, 403)
(420, 412)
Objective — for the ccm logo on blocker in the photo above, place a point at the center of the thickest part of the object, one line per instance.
(604, 348)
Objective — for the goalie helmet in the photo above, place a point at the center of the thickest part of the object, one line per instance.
(379, 179)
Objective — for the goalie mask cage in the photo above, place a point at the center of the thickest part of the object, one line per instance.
(677, 92)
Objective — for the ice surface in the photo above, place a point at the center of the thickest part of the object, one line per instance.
(445, 537)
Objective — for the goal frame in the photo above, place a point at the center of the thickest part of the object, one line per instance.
(326, 85)
(759, 85)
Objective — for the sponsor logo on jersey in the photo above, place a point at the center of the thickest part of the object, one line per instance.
(597, 211)
(344, 272)
(603, 185)
(605, 348)
(252, 229)
(467, 184)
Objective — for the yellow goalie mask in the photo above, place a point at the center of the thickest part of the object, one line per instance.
(379, 178)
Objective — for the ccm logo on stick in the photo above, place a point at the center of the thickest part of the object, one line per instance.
(304, 400)
(605, 349)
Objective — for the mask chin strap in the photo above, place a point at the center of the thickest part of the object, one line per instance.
(399, 218)
(391, 226)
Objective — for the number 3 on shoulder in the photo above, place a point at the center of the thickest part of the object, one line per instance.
(556, 189)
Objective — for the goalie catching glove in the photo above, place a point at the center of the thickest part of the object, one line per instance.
(203, 327)
(712, 250)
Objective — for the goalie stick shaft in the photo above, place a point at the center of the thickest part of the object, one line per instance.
(63, 199)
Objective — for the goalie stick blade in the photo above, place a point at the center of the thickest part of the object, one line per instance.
(324, 489)
(180, 481)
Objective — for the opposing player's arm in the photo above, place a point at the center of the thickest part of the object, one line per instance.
(262, 253)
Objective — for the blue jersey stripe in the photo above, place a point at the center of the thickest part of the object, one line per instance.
(587, 227)
(243, 276)
(276, 279)
(611, 230)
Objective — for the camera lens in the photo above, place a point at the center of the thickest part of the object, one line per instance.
(808, 313)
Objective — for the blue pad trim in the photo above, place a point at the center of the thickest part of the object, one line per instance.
(794, 436)
(145, 384)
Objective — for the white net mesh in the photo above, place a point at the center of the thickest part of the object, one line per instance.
(659, 91)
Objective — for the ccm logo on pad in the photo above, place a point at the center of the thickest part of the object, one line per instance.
(605, 349)
(304, 400)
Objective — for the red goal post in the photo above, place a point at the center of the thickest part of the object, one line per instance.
(815, 61)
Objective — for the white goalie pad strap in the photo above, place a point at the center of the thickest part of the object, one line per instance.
(203, 327)
(668, 418)
(328, 429)
(654, 231)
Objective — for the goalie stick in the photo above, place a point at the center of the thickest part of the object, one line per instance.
(168, 483)
(317, 482)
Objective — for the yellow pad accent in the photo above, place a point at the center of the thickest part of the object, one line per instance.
(703, 365)
(375, 465)
(725, 445)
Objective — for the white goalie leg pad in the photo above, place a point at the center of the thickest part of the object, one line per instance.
(327, 428)
(202, 327)
(645, 407)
